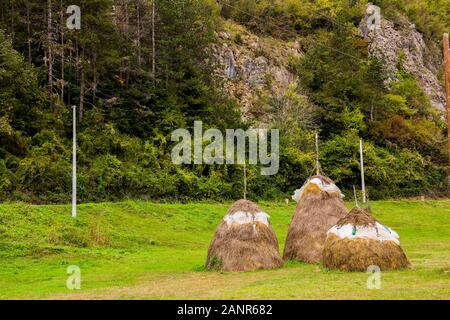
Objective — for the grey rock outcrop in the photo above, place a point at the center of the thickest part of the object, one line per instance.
(253, 69)
(389, 41)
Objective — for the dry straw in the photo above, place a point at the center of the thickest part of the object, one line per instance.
(357, 254)
(246, 246)
(317, 211)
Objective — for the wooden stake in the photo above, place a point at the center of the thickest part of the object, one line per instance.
(447, 89)
(356, 197)
(363, 184)
(317, 155)
(245, 180)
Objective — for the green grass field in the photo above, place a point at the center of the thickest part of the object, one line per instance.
(143, 250)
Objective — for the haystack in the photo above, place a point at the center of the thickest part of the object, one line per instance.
(319, 207)
(358, 241)
(244, 241)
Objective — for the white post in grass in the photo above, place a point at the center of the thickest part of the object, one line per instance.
(74, 163)
(363, 184)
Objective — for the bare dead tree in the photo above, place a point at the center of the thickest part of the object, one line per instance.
(12, 19)
(62, 49)
(29, 32)
(82, 90)
(49, 49)
(153, 41)
(138, 31)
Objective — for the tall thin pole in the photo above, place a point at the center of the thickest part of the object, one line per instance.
(317, 155)
(62, 50)
(49, 49)
(447, 89)
(245, 180)
(153, 42)
(29, 32)
(356, 197)
(363, 184)
(74, 163)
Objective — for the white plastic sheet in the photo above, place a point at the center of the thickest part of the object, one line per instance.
(242, 217)
(328, 187)
(376, 231)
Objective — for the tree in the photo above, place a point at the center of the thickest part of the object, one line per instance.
(21, 100)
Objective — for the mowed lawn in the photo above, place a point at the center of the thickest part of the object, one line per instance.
(143, 250)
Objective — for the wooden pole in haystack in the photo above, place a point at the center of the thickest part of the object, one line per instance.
(447, 89)
(356, 197)
(245, 180)
(317, 155)
(363, 183)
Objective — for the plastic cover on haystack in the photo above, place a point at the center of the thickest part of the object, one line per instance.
(376, 231)
(241, 217)
(328, 187)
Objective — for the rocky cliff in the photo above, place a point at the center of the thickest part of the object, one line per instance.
(254, 69)
(392, 42)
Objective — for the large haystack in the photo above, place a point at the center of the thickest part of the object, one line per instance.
(319, 207)
(244, 240)
(358, 241)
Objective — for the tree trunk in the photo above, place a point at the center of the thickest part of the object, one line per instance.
(126, 29)
(82, 93)
(95, 79)
(127, 18)
(12, 19)
(62, 52)
(29, 32)
(49, 48)
(80, 59)
(153, 42)
(138, 40)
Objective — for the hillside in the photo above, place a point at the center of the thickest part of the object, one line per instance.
(138, 70)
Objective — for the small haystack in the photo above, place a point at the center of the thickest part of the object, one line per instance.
(244, 241)
(358, 241)
(320, 206)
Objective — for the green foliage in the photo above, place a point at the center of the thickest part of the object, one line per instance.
(408, 120)
(430, 16)
(129, 112)
(388, 172)
(21, 100)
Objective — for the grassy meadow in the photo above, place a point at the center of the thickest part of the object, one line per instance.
(144, 250)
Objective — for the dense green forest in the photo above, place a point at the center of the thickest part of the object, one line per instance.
(136, 71)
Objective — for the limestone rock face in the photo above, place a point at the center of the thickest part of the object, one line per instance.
(390, 41)
(253, 69)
